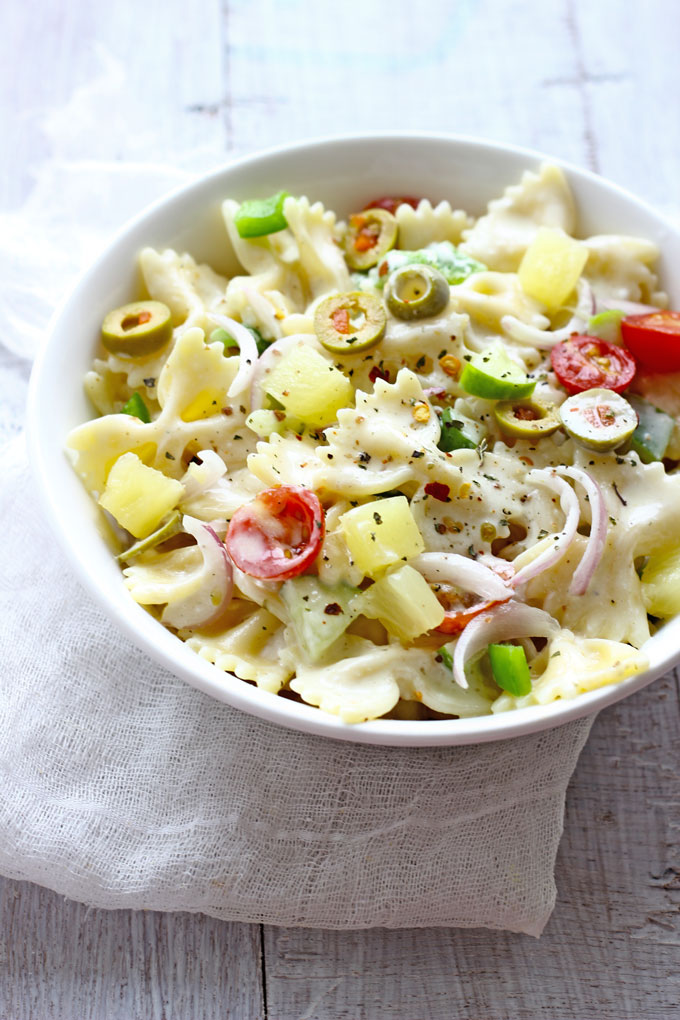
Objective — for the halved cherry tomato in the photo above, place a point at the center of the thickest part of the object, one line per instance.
(278, 534)
(654, 339)
(586, 363)
(392, 203)
(456, 620)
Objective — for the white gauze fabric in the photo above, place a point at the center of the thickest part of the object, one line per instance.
(124, 787)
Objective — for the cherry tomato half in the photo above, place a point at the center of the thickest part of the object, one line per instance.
(392, 203)
(586, 363)
(654, 339)
(278, 534)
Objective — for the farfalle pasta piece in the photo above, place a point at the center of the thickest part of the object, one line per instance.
(575, 666)
(320, 260)
(425, 224)
(376, 444)
(500, 238)
(488, 297)
(287, 459)
(356, 680)
(163, 578)
(619, 267)
(189, 290)
(252, 650)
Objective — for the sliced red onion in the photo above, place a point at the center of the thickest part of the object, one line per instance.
(199, 477)
(598, 529)
(511, 620)
(247, 352)
(267, 361)
(466, 574)
(216, 581)
(560, 542)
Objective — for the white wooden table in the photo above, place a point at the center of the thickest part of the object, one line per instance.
(594, 81)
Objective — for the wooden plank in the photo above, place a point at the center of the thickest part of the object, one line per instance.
(62, 960)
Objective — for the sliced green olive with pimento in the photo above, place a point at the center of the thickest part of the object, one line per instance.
(526, 419)
(370, 235)
(416, 292)
(351, 322)
(598, 419)
(138, 329)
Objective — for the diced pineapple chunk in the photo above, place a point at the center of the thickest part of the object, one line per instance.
(138, 496)
(309, 387)
(381, 533)
(661, 584)
(551, 267)
(404, 602)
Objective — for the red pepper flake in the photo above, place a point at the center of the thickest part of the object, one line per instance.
(333, 609)
(378, 373)
(438, 491)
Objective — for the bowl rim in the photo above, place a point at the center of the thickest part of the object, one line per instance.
(168, 650)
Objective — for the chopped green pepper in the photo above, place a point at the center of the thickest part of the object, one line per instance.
(458, 433)
(510, 669)
(257, 217)
(445, 655)
(136, 407)
(493, 375)
(653, 433)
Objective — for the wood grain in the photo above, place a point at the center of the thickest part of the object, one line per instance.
(591, 82)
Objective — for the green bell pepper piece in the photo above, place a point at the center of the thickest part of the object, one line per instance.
(510, 669)
(257, 217)
(136, 407)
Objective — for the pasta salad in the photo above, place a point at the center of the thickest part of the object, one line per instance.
(414, 464)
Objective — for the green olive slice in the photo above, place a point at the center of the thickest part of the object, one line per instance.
(527, 419)
(598, 419)
(416, 292)
(345, 323)
(369, 237)
(138, 329)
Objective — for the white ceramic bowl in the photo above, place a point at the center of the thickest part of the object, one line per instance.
(343, 173)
